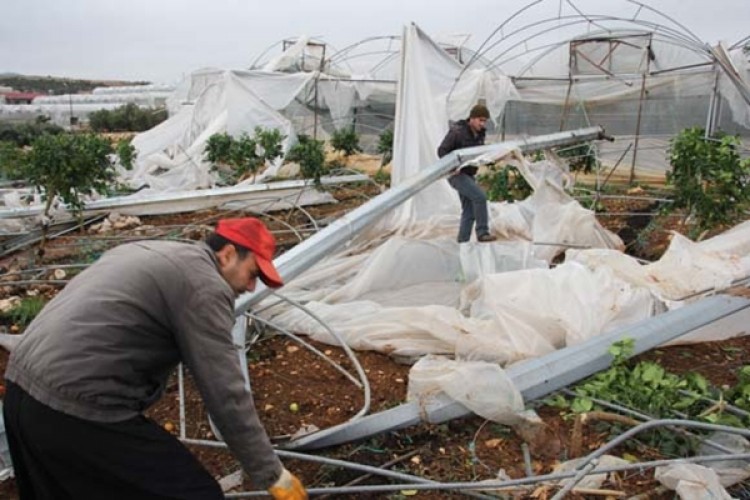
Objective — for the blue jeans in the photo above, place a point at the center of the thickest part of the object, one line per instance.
(473, 206)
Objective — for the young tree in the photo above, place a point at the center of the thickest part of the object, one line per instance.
(244, 155)
(309, 153)
(11, 159)
(269, 143)
(345, 140)
(68, 167)
(127, 153)
(709, 176)
(385, 146)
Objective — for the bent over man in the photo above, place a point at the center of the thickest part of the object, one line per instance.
(464, 134)
(100, 353)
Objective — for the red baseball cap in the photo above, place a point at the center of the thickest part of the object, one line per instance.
(252, 234)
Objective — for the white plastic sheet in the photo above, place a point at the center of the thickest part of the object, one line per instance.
(593, 481)
(171, 156)
(686, 268)
(429, 75)
(490, 394)
(729, 472)
(411, 290)
(691, 481)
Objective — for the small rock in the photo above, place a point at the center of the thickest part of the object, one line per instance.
(9, 303)
(493, 443)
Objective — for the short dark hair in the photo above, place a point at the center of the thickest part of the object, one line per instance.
(479, 111)
(216, 242)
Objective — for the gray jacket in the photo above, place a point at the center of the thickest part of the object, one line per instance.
(103, 349)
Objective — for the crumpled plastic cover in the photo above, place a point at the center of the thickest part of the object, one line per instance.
(691, 481)
(434, 375)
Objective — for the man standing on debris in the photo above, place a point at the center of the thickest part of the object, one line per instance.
(464, 134)
(101, 352)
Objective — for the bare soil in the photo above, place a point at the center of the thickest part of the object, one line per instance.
(294, 388)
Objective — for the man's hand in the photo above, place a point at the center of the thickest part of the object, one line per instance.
(288, 487)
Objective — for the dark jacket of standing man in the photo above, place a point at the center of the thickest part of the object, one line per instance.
(464, 134)
(100, 353)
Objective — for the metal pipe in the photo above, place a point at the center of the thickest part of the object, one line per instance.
(181, 388)
(594, 456)
(326, 461)
(643, 416)
(292, 263)
(216, 196)
(640, 112)
(504, 485)
(309, 347)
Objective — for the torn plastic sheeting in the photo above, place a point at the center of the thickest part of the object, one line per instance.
(432, 91)
(151, 204)
(691, 481)
(538, 377)
(561, 307)
(480, 260)
(295, 261)
(591, 480)
(407, 300)
(172, 154)
(490, 394)
(729, 472)
(685, 269)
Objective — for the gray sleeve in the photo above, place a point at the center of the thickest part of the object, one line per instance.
(205, 342)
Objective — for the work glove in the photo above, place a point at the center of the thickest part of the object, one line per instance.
(288, 487)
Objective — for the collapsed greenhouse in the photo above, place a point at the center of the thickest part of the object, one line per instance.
(520, 318)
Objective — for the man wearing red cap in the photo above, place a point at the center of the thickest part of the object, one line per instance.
(100, 353)
(465, 134)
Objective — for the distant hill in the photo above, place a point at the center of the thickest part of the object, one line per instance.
(57, 86)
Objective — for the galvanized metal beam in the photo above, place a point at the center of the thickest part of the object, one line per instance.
(186, 200)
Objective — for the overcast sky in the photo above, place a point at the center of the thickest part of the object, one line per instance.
(163, 40)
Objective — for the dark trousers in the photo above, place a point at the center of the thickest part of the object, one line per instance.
(56, 456)
(473, 206)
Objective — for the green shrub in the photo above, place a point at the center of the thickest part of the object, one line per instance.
(11, 160)
(244, 155)
(310, 155)
(345, 140)
(68, 166)
(127, 153)
(382, 177)
(581, 158)
(23, 134)
(26, 310)
(218, 148)
(709, 177)
(385, 146)
(505, 183)
(269, 142)
(126, 118)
